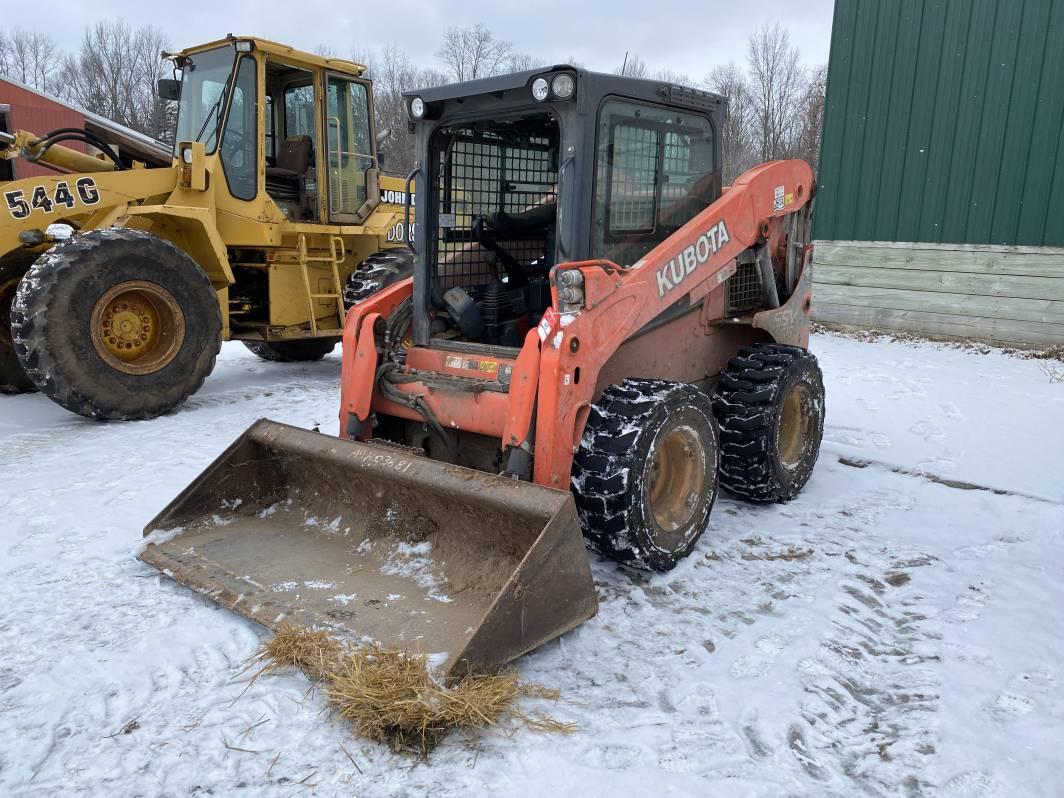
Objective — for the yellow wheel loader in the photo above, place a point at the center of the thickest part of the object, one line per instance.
(117, 286)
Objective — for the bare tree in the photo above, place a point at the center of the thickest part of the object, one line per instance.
(473, 52)
(811, 116)
(30, 57)
(393, 73)
(668, 76)
(633, 67)
(114, 74)
(326, 51)
(776, 83)
(521, 62)
(736, 139)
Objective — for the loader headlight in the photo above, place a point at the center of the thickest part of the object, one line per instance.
(540, 89)
(563, 86)
(186, 154)
(417, 108)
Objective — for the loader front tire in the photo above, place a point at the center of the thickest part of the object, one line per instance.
(376, 273)
(770, 407)
(13, 377)
(305, 351)
(116, 324)
(645, 475)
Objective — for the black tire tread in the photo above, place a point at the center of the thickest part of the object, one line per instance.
(744, 405)
(30, 321)
(377, 272)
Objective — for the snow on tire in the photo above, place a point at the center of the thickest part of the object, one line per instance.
(116, 324)
(377, 272)
(770, 407)
(645, 475)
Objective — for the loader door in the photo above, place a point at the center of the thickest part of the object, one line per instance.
(350, 157)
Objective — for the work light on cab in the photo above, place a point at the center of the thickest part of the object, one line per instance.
(540, 89)
(417, 108)
(563, 86)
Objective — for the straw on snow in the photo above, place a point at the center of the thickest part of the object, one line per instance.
(390, 696)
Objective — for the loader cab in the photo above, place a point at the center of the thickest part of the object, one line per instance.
(291, 131)
(530, 170)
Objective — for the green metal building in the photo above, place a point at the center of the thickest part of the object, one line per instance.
(941, 201)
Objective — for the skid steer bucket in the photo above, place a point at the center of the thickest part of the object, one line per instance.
(468, 568)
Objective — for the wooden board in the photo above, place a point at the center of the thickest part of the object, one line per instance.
(998, 294)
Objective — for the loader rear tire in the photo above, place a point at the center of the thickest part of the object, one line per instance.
(376, 273)
(645, 475)
(770, 407)
(116, 324)
(13, 378)
(306, 351)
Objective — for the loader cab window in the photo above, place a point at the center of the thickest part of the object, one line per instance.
(205, 83)
(492, 224)
(350, 149)
(291, 141)
(654, 171)
(240, 140)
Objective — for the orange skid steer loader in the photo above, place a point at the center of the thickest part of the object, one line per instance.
(597, 335)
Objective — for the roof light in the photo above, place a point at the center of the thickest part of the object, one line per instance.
(540, 89)
(563, 86)
(243, 46)
(417, 108)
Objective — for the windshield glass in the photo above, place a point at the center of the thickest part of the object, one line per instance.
(205, 81)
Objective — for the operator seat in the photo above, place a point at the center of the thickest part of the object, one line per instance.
(286, 182)
(294, 159)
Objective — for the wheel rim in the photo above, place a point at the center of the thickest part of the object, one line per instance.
(796, 423)
(677, 478)
(7, 296)
(137, 327)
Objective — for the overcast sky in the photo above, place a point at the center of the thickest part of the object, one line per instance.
(690, 37)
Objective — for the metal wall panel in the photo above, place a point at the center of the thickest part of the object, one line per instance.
(943, 123)
(30, 111)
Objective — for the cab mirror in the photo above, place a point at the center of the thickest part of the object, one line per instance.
(169, 89)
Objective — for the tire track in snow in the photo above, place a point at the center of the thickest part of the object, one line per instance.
(873, 688)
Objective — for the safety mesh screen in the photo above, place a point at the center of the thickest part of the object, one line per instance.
(480, 172)
(634, 178)
(744, 288)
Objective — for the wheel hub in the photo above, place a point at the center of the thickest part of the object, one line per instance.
(796, 423)
(677, 478)
(137, 327)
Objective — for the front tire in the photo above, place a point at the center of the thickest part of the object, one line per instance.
(376, 273)
(306, 351)
(116, 324)
(645, 476)
(13, 378)
(770, 406)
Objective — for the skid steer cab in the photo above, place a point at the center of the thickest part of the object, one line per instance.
(117, 285)
(597, 336)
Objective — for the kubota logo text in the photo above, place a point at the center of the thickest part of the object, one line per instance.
(674, 272)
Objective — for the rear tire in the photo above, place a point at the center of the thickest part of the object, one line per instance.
(306, 351)
(770, 407)
(645, 476)
(13, 378)
(116, 324)
(376, 273)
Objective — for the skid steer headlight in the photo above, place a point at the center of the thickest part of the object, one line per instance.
(540, 89)
(563, 86)
(417, 108)
(570, 290)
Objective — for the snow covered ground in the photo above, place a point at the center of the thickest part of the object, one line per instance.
(896, 630)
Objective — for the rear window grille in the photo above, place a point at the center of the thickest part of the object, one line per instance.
(744, 288)
(480, 172)
(634, 173)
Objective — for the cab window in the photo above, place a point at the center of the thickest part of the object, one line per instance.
(654, 171)
(240, 140)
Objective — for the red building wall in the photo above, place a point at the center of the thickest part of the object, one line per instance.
(30, 111)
